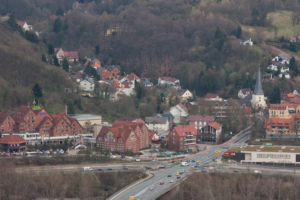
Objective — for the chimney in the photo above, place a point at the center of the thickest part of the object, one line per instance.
(66, 109)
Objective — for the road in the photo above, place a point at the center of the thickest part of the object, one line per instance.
(142, 191)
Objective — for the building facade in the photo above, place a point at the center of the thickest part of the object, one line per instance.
(200, 121)
(258, 98)
(211, 132)
(182, 137)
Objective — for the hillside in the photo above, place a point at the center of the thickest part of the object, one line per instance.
(21, 67)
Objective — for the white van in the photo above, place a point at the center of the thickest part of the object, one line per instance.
(183, 164)
(87, 169)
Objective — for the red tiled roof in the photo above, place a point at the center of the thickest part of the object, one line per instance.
(105, 74)
(57, 49)
(21, 23)
(244, 91)
(20, 114)
(277, 107)
(182, 130)
(169, 79)
(280, 122)
(205, 118)
(125, 84)
(247, 110)
(12, 139)
(293, 38)
(215, 125)
(3, 117)
(71, 55)
(291, 95)
(210, 95)
(135, 76)
(43, 122)
(182, 107)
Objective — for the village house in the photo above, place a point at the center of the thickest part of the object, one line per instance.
(272, 67)
(25, 26)
(182, 137)
(124, 88)
(147, 83)
(285, 74)
(297, 91)
(169, 82)
(282, 59)
(12, 143)
(293, 39)
(117, 29)
(211, 132)
(244, 92)
(282, 127)
(95, 63)
(279, 111)
(212, 97)
(87, 84)
(168, 115)
(124, 136)
(79, 76)
(246, 41)
(114, 70)
(70, 56)
(186, 94)
(7, 123)
(200, 121)
(157, 123)
(180, 113)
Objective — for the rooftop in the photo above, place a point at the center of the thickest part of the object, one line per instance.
(284, 149)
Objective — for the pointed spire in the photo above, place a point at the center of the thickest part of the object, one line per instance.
(258, 86)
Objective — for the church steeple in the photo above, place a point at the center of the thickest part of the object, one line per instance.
(258, 86)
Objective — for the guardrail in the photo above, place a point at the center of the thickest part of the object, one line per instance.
(165, 190)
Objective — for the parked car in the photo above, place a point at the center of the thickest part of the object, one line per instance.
(113, 156)
(161, 183)
(109, 169)
(236, 171)
(193, 160)
(257, 172)
(150, 188)
(171, 181)
(197, 161)
(178, 177)
(170, 175)
(100, 169)
(87, 169)
(125, 168)
(177, 174)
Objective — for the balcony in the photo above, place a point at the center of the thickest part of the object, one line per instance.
(189, 139)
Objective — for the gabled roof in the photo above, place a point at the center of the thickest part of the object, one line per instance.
(156, 120)
(43, 122)
(182, 107)
(282, 57)
(277, 107)
(182, 130)
(167, 115)
(181, 92)
(164, 92)
(71, 55)
(147, 82)
(134, 75)
(298, 90)
(12, 139)
(111, 67)
(57, 49)
(193, 118)
(291, 95)
(244, 91)
(21, 113)
(210, 96)
(245, 101)
(258, 86)
(3, 117)
(246, 40)
(21, 23)
(169, 79)
(215, 125)
(280, 122)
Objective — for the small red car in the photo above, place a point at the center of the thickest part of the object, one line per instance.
(161, 183)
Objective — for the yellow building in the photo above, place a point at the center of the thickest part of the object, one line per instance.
(279, 111)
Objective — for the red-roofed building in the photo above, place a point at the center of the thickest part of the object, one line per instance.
(169, 82)
(25, 119)
(7, 123)
(293, 39)
(25, 26)
(80, 76)
(105, 74)
(212, 97)
(211, 132)
(182, 137)
(280, 127)
(124, 136)
(12, 143)
(279, 111)
(200, 121)
(244, 92)
(71, 56)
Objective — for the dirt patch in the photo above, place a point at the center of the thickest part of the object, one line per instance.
(276, 51)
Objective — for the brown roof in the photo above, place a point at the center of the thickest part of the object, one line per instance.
(43, 122)
(170, 79)
(183, 107)
(3, 117)
(215, 125)
(182, 130)
(20, 114)
(210, 95)
(244, 91)
(12, 139)
(134, 75)
(277, 107)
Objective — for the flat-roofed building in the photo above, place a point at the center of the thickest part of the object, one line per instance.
(83, 118)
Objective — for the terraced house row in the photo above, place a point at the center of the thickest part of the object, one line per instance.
(124, 136)
(37, 119)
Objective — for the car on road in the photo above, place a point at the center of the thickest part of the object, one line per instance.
(197, 161)
(188, 161)
(100, 169)
(87, 169)
(148, 167)
(113, 156)
(151, 188)
(125, 168)
(178, 177)
(137, 160)
(236, 171)
(109, 169)
(171, 181)
(182, 171)
(193, 160)
(170, 175)
(257, 172)
(161, 183)
(177, 174)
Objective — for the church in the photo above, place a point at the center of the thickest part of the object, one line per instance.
(258, 98)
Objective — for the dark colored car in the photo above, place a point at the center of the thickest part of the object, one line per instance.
(125, 168)
(109, 169)
(99, 169)
(170, 175)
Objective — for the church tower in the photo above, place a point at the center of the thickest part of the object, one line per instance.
(258, 97)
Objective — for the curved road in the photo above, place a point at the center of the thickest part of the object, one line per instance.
(142, 191)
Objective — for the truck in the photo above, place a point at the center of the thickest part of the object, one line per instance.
(87, 169)
(183, 164)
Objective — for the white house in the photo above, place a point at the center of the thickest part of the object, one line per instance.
(87, 84)
(124, 88)
(200, 121)
(211, 132)
(284, 69)
(59, 53)
(282, 59)
(212, 97)
(179, 112)
(297, 91)
(169, 82)
(185, 94)
(272, 67)
(157, 123)
(25, 26)
(244, 92)
(246, 41)
(286, 75)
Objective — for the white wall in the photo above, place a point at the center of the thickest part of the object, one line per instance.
(273, 157)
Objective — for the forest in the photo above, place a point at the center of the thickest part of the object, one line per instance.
(192, 40)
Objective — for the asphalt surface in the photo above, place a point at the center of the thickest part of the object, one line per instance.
(143, 191)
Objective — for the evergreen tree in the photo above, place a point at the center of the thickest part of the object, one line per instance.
(97, 49)
(13, 24)
(60, 12)
(65, 65)
(139, 90)
(31, 37)
(294, 66)
(55, 60)
(275, 95)
(37, 91)
(90, 71)
(50, 49)
(293, 47)
(71, 108)
(44, 58)
(239, 32)
(57, 26)
(220, 39)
